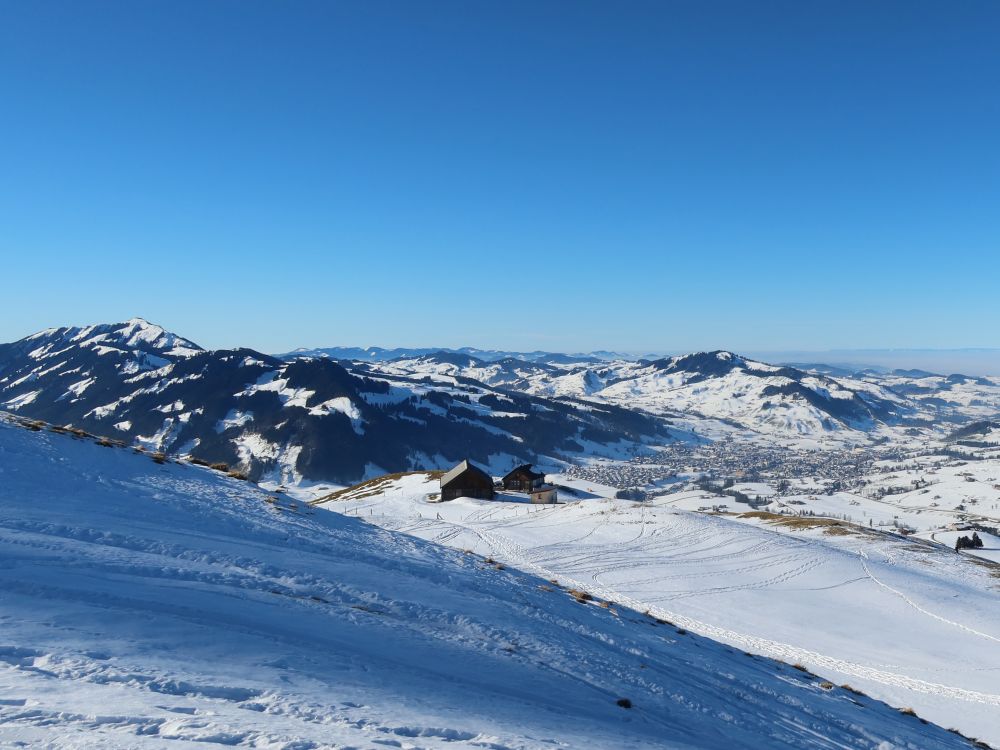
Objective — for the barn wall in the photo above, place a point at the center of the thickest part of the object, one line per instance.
(546, 497)
(469, 484)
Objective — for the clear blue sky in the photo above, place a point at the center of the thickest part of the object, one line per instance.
(562, 175)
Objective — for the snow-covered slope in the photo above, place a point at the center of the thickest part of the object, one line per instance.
(163, 605)
(910, 623)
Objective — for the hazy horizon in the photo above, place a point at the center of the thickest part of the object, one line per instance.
(944, 361)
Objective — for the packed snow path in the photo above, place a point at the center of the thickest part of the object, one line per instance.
(910, 623)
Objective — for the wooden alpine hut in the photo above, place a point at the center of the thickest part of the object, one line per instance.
(523, 479)
(466, 480)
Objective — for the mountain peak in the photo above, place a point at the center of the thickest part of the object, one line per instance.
(130, 338)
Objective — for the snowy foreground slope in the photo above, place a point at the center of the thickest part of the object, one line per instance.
(166, 605)
(909, 622)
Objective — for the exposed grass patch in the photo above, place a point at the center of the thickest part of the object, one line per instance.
(992, 567)
(581, 596)
(831, 526)
(371, 487)
(972, 740)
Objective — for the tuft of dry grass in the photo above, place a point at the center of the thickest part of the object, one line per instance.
(831, 526)
(581, 596)
(371, 487)
(159, 458)
(220, 466)
(826, 685)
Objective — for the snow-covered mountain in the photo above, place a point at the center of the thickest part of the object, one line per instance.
(718, 385)
(323, 419)
(311, 419)
(147, 605)
(763, 397)
(949, 397)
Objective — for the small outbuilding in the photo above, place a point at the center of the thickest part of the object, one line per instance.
(466, 480)
(545, 494)
(523, 479)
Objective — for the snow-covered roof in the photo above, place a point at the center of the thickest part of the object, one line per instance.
(458, 470)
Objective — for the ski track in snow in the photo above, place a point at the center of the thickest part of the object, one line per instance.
(864, 564)
(163, 605)
(784, 651)
(576, 545)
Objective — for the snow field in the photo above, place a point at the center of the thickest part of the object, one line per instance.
(165, 605)
(912, 624)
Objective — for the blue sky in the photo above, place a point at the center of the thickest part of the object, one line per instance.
(562, 175)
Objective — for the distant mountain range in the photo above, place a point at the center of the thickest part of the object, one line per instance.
(841, 362)
(378, 354)
(342, 414)
(305, 419)
(718, 385)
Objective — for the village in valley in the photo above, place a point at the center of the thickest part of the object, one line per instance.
(909, 490)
